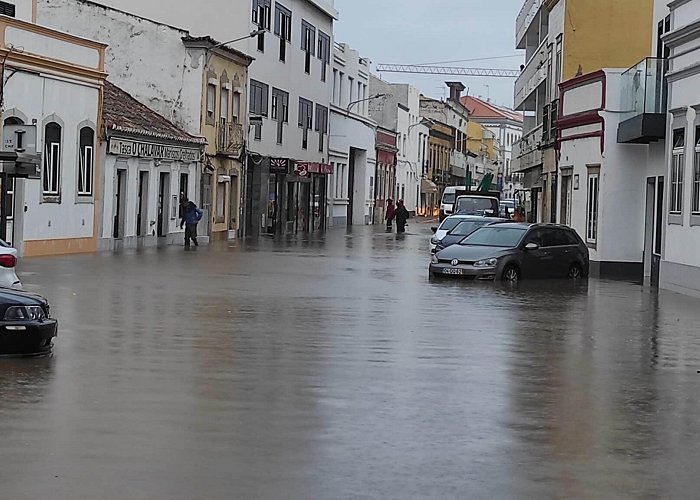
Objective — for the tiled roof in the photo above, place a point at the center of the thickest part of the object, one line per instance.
(122, 113)
(482, 109)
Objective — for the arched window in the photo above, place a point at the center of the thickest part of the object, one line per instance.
(52, 159)
(86, 162)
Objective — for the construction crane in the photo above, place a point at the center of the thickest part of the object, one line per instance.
(447, 70)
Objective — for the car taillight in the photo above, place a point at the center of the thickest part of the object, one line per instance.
(8, 260)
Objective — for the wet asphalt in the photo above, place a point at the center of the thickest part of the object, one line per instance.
(331, 367)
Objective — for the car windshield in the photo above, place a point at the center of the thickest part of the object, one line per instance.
(450, 223)
(494, 236)
(449, 198)
(477, 206)
(468, 227)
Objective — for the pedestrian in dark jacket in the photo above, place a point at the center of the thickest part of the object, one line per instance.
(402, 216)
(191, 216)
(390, 214)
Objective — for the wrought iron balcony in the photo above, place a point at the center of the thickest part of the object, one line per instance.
(229, 139)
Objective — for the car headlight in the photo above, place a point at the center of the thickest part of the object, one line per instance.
(486, 263)
(24, 313)
(434, 259)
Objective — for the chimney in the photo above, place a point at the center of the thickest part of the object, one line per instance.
(456, 89)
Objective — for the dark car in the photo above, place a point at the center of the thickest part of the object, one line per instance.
(513, 251)
(26, 327)
(466, 227)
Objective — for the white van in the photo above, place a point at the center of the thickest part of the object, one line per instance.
(449, 197)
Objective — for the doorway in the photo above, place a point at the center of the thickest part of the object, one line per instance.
(351, 187)
(120, 205)
(163, 197)
(565, 215)
(142, 205)
(654, 229)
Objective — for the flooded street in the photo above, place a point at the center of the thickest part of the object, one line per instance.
(334, 368)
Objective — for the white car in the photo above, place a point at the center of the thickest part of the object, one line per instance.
(8, 266)
(447, 225)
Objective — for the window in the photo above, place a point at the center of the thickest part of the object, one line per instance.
(351, 80)
(324, 53)
(236, 111)
(52, 160)
(558, 68)
(223, 105)
(7, 9)
(677, 171)
(211, 101)
(86, 161)
(321, 125)
(335, 86)
(592, 212)
(262, 11)
(280, 111)
(308, 43)
(341, 76)
(258, 103)
(696, 174)
(306, 109)
(283, 28)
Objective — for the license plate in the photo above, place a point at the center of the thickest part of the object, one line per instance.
(453, 271)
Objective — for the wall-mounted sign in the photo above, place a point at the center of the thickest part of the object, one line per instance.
(140, 149)
(305, 168)
(279, 166)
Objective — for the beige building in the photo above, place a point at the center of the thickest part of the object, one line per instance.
(224, 127)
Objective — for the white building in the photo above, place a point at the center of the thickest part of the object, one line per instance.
(680, 265)
(400, 110)
(290, 92)
(54, 82)
(352, 140)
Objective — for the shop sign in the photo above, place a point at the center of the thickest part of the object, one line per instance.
(279, 166)
(140, 149)
(303, 169)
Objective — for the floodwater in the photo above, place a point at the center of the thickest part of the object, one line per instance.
(333, 368)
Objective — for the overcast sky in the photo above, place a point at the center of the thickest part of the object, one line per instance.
(426, 31)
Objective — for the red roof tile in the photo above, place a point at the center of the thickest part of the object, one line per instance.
(121, 112)
(482, 109)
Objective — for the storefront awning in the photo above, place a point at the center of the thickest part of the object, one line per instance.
(427, 186)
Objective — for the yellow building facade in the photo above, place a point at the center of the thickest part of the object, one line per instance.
(223, 125)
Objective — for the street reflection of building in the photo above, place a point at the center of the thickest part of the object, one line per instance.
(52, 91)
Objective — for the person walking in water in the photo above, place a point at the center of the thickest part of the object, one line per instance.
(191, 216)
(390, 214)
(402, 216)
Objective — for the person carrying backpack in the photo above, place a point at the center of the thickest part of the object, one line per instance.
(190, 218)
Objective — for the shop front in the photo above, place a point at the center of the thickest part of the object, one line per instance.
(294, 193)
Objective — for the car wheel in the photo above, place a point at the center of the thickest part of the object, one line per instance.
(511, 274)
(575, 272)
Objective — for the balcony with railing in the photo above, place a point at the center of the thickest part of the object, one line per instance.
(644, 102)
(229, 138)
(533, 75)
(528, 14)
(527, 153)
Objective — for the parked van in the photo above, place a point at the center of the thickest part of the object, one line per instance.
(449, 197)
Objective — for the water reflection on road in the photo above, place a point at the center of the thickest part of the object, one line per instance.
(332, 367)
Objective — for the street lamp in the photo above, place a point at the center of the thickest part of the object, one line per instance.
(425, 121)
(378, 96)
(252, 34)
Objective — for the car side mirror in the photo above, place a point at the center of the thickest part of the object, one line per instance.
(434, 229)
(532, 246)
